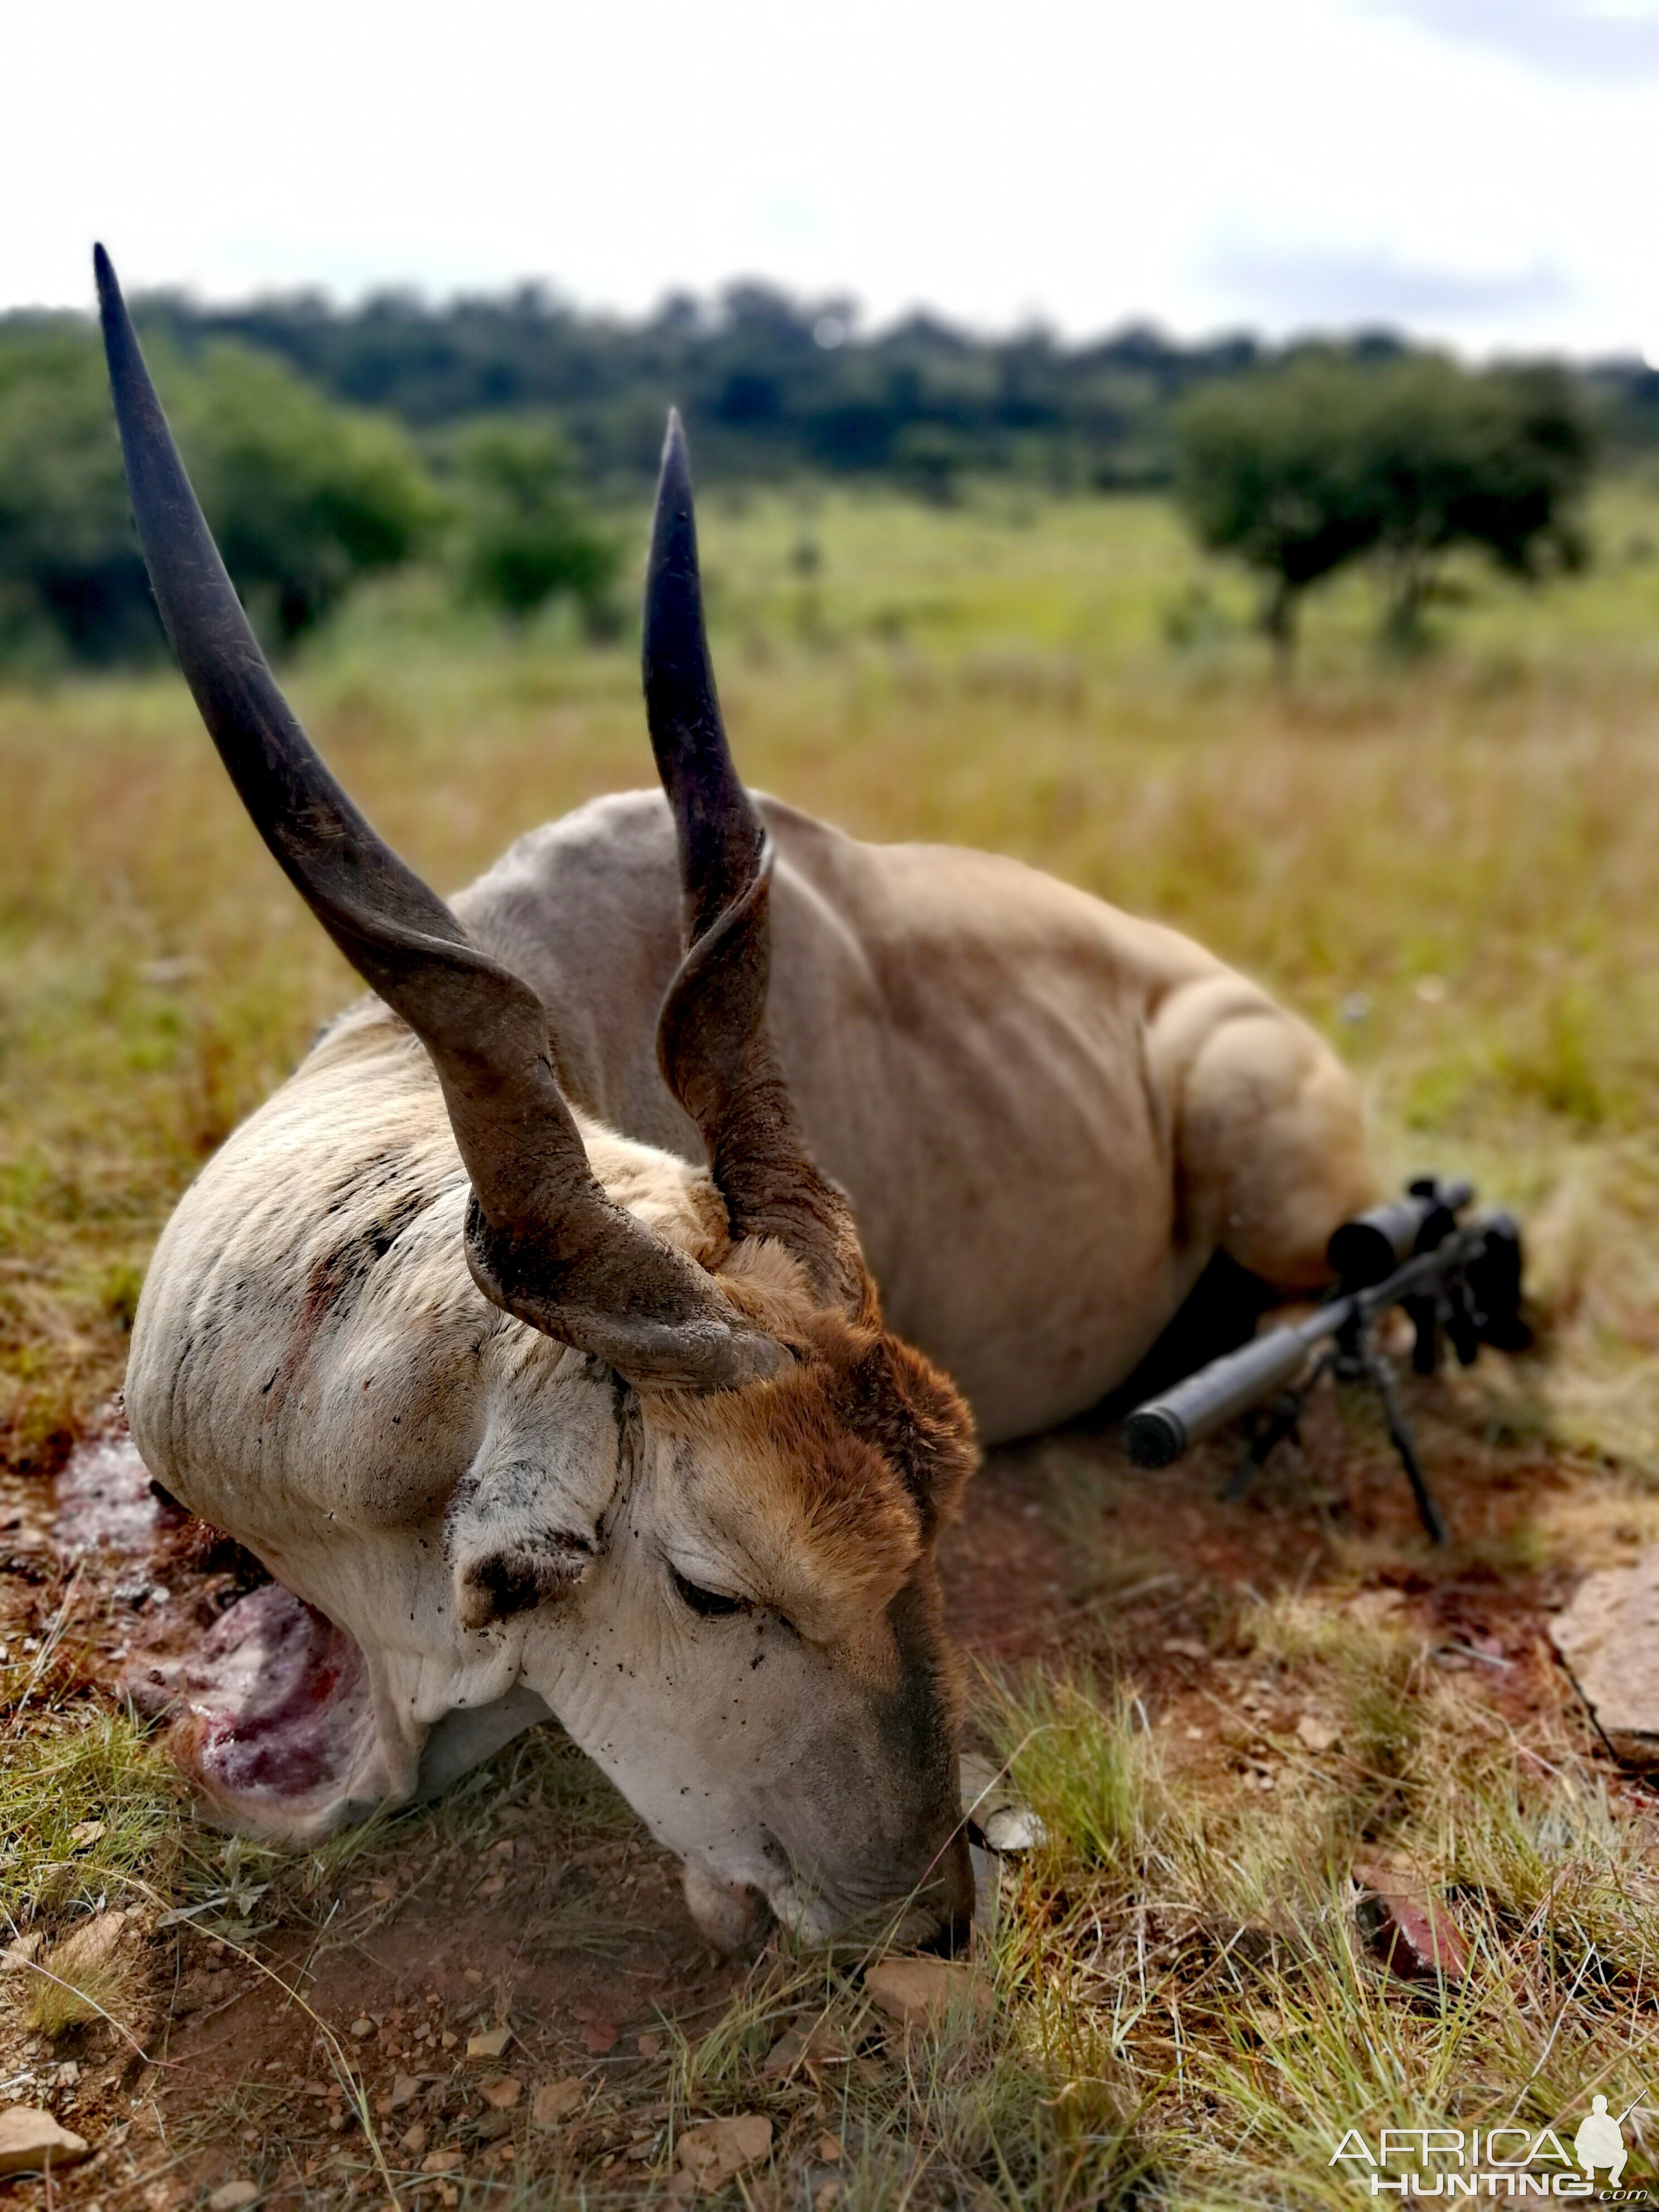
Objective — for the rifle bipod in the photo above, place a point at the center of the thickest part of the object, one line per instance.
(1355, 1358)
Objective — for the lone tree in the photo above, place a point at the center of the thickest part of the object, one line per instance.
(1301, 469)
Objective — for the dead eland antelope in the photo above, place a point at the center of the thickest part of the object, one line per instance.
(523, 1337)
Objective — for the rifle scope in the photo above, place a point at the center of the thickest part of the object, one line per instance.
(1373, 1244)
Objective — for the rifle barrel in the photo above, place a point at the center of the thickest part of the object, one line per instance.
(1159, 1432)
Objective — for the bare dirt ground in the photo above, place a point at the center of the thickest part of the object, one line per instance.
(484, 1996)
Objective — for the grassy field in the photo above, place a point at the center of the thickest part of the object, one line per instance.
(1449, 867)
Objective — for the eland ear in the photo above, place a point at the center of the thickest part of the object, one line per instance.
(899, 1402)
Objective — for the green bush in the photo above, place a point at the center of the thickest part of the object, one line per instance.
(304, 495)
(526, 536)
(72, 580)
(1299, 470)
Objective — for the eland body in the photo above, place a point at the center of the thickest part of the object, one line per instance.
(591, 1324)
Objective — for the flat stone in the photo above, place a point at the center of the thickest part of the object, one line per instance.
(1313, 1734)
(919, 1992)
(555, 2100)
(1609, 1639)
(441, 2161)
(88, 1945)
(1013, 1830)
(714, 2152)
(1409, 1928)
(234, 2196)
(501, 2096)
(809, 2050)
(31, 2141)
(406, 2087)
(997, 1817)
(489, 2043)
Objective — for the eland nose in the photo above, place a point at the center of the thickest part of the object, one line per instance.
(941, 1918)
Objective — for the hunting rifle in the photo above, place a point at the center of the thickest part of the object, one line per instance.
(1455, 1278)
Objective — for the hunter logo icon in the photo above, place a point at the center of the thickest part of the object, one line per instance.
(1601, 2141)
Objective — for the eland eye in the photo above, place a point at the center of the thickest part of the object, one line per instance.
(711, 1604)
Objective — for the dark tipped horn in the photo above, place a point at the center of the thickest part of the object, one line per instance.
(712, 1040)
(720, 832)
(543, 1239)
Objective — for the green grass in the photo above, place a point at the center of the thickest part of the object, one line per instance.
(1448, 866)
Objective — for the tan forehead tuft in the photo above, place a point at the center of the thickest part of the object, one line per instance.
(825, 1524)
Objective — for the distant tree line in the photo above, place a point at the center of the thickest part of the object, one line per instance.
(768, 386)
(329, 443)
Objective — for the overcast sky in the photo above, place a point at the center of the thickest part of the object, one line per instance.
(1482, 170)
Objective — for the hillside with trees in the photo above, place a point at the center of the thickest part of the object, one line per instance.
(488, 434)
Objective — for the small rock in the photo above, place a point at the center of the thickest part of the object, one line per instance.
(997, 1815)
(1609, 1639)
(1185, 1647)
(1013, 1830)
(829, 2149)
(413, 2139)
(827, 2193)
(1408, 1927)
(921, 1991)
(599, 2035)
(441, 2161)
(234, 2196)
(489, 2043)
(555, 2100)
(809, 2049)
(31, 2141)
(650, 2046)
(88, 1947)
(406, 2087)
(501, 2095)
(448, 2039)
(714, 2152)
(1315, 1734)
(360, 2028)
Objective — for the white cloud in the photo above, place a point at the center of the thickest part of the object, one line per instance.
(1197, 161)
